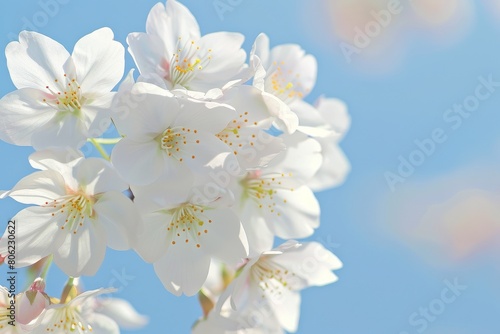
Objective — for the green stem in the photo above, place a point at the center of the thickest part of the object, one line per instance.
(46, 267)
(99, 147)
(67, 289)
(107, 141)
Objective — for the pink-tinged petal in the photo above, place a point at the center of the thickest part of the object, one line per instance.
(23, 113)
(96, 176)
(29, 308)
(102, 324)
(334, 169)
(119, 218)
(35, 61)
(82, 252)
(183, 269)
(225, 238)
(204, 116)
(149, 54)
(153, 243)
(122, 312)
(37, 235)
(65, 131)
(171, 22)
(139, 163)
(39, 188)
(99, 62)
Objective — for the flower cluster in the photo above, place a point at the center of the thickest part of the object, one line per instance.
(216, 157)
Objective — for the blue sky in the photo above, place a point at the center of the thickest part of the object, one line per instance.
(388, 276)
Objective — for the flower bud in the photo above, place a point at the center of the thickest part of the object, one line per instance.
(31, 303)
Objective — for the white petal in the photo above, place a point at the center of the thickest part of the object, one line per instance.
(152, 243)
(299, 148)
(250, 107)
(311, 122)
(171, 22)
(287, 309)
(203, 152)
(334, 169)
(39, 188)
(37, 235)
(299, 216)
(23, 113)
(60, 160)
(225, 239)
(209, 117)
(122, 312)
(97, 113)
(311, 262)
(119, 218)
(227, 60)
(183, 269)
(82, 253)
(35, 61)
(260, 237)
(99, 61)
(168, 191)
(70, 131)
(146, 112)
(96, 176)
(286, 119)
(139, 163)
(149, 54)
(102, 324)
(261, 49)
(335, 113)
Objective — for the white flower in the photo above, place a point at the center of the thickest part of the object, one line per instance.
(76, 316)
(62, 99)
(184, 228)
(285, 74)
(167, 135)
(275, 200)
(172, 50)
(270, 283)
(80, 208)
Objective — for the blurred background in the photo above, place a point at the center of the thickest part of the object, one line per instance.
(417, 223)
